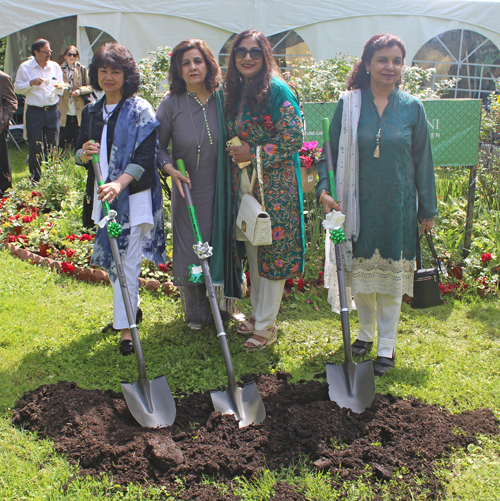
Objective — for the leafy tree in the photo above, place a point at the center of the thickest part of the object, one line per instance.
(154, 71)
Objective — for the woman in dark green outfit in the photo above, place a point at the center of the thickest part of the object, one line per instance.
(263, 112)
(380, 144)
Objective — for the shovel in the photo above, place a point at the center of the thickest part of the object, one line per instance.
(150, 402)
(244, 403)
(350, 385)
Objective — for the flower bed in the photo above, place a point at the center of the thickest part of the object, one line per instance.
(35, 232)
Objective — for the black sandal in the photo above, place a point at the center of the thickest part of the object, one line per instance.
(126, 347)
(383, 365)
(359, 348)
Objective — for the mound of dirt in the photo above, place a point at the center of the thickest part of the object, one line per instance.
(96, 430)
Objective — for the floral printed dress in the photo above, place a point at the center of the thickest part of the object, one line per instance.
(278, 131)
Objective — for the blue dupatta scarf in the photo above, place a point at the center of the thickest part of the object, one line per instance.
(136, 121)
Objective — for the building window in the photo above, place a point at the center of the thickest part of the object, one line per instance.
(464, 54)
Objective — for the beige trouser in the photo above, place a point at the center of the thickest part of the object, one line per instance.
(265, 294)
(381, 310)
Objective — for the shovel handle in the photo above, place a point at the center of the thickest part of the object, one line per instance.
(344, 311)
(125, 293)
(99, 179)
(191, 209)
(328, 156)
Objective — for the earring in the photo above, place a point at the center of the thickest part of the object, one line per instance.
(367, 72)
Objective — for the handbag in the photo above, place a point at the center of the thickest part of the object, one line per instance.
(426, 291)
(252, 218)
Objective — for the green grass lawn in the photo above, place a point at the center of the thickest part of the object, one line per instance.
(51, 330)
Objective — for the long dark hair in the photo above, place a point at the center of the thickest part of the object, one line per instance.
(117, 57)
(359, 78)
(233, 82)
(213, 76)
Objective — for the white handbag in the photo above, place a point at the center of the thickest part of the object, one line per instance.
(252, 219)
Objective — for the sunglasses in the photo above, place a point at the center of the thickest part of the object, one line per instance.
(72, 54)
(46, 51)
(241, 52)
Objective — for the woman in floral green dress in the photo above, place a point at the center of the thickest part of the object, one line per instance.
(263, 111)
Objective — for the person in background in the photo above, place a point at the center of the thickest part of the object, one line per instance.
(38, 79)
(8, 106)
(263, 111)
(382, 168)
(121, 129)
(75, 97)
(192, 121)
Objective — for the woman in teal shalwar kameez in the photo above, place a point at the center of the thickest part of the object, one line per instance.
(395, 171)
(263, 111)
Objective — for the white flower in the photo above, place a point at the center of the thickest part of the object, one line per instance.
(334, 220)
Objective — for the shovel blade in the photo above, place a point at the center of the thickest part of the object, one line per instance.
(248, 407)
(351, 385)
(150, 402)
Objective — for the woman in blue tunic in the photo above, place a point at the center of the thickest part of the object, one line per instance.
(385, 182)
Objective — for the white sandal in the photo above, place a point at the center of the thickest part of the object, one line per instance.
(248, 327)
(271, 336)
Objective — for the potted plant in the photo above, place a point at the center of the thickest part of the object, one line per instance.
(309, 156)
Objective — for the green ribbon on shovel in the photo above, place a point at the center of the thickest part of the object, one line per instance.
(195, 274)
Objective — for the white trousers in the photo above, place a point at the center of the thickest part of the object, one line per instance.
(381, 310)
(132, 269)
(265, 294)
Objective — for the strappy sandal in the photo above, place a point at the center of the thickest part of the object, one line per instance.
(270, 335)
(246, 327)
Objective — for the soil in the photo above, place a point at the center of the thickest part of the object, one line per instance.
(398, 439)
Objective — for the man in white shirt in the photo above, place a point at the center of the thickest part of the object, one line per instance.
(36, 79)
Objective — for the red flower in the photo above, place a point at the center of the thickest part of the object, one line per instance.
(301, 284)
(162, 267)
(486, 257)
(247, 275)
(12, 238)
(84, 237)
(63, 252)
(67, 267)
(71, 237)
(70, 253)
(289, 282)
(27, 219)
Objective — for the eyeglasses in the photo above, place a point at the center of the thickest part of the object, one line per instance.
(72, 54)
(241, 52)
(46, 51)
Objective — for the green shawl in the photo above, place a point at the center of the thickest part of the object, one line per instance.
(225, 267)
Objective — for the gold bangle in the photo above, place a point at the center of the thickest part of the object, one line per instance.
(321, 195)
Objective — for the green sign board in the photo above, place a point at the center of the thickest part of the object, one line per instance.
(454, 126)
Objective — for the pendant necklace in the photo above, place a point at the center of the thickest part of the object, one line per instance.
(109, 114)
(376, 153)
(204, 108)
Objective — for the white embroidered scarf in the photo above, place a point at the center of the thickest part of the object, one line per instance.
(346, 181)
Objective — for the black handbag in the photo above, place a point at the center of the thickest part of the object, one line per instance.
(426, 291)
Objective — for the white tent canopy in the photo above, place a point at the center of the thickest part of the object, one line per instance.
(328, 27)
